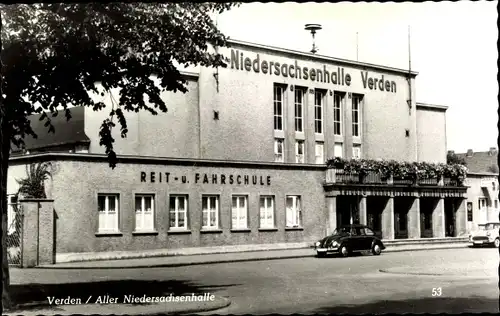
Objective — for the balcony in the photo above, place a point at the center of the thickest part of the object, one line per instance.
(374, 178)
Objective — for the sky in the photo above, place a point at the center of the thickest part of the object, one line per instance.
(453, 48)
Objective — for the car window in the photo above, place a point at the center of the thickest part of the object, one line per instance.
(353, 231)
(360, 231)
(369, 232)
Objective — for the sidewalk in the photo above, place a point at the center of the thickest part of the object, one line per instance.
(187, 260)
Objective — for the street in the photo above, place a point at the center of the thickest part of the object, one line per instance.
(434, 281)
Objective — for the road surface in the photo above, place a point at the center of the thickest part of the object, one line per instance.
(434, 281)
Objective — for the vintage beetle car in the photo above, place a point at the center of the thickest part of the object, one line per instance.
(489, 235)
(350, 238)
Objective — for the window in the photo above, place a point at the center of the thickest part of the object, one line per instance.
(318, 112)
(239, 212)
(278, 107)
(293, 211)
(337, 114)
(178, 212)
(356, 152)
(496, 203)
(368, 232)
(144, 212)
(356, 115)
(210, 210)
(299, 110)
(493, 185)
(319, 149)
(482, 203)
(338, 150)
(278, 150)
(108, 212)
(299, 151)
(266, 212)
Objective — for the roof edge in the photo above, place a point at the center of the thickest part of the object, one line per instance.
(190, 75)
(432, 106)
(489, 174)
(165, 160)
(322, 57)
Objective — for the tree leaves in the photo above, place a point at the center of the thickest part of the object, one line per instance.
(56, 54)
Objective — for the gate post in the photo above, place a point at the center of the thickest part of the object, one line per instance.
(38, 232)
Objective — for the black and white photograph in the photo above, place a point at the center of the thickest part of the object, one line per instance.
(229, 158)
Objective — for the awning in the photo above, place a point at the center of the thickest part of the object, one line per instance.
(488, 192)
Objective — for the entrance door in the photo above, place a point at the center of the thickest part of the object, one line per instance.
(374, 221)
(449, 219)
(400, 225)
(426, 224)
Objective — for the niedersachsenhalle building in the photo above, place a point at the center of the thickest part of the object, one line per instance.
(239, 160)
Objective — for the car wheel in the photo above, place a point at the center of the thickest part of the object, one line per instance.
(376, 250)
(497, 243)
(344, 251)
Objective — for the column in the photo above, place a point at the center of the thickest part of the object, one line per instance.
(461, 218)
(289, 125)
(328, 125)
(331, 206)
(347, 121)
(29, 234)
(414, 219)
(38, 232)
(362, 210)
(46, 253)
(438, 228)
(388, 219)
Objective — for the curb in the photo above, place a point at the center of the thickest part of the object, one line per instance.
(121, 309)
(388, 271)
(183, 264)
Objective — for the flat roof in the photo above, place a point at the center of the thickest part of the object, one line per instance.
(432, 106)
(321, 57)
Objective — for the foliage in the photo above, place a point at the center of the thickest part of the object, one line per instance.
(60, 54)
(400, 169)
(452, 158)
(33, 185)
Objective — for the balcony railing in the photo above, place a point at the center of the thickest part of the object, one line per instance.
(372, 177)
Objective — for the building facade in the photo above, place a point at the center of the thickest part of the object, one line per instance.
(482, 182)
(240, 159)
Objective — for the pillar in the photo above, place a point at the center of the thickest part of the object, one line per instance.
(331, 205)
(29, 234)
(461, 218)
(38, 232)
(388, 219)
(362, 211)
(438, 229)
(46, 253)
(414, 219)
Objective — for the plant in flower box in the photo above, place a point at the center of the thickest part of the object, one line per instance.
(336, 163)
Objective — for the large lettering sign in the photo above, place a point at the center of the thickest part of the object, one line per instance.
(205, 178)
(337, 76)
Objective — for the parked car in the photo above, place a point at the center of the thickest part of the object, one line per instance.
(348, 239)
(488, 236)
(479, 231)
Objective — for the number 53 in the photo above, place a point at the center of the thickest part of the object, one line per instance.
(436, 291)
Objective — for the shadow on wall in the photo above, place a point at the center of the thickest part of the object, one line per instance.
(454, 305)
(34, 296)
